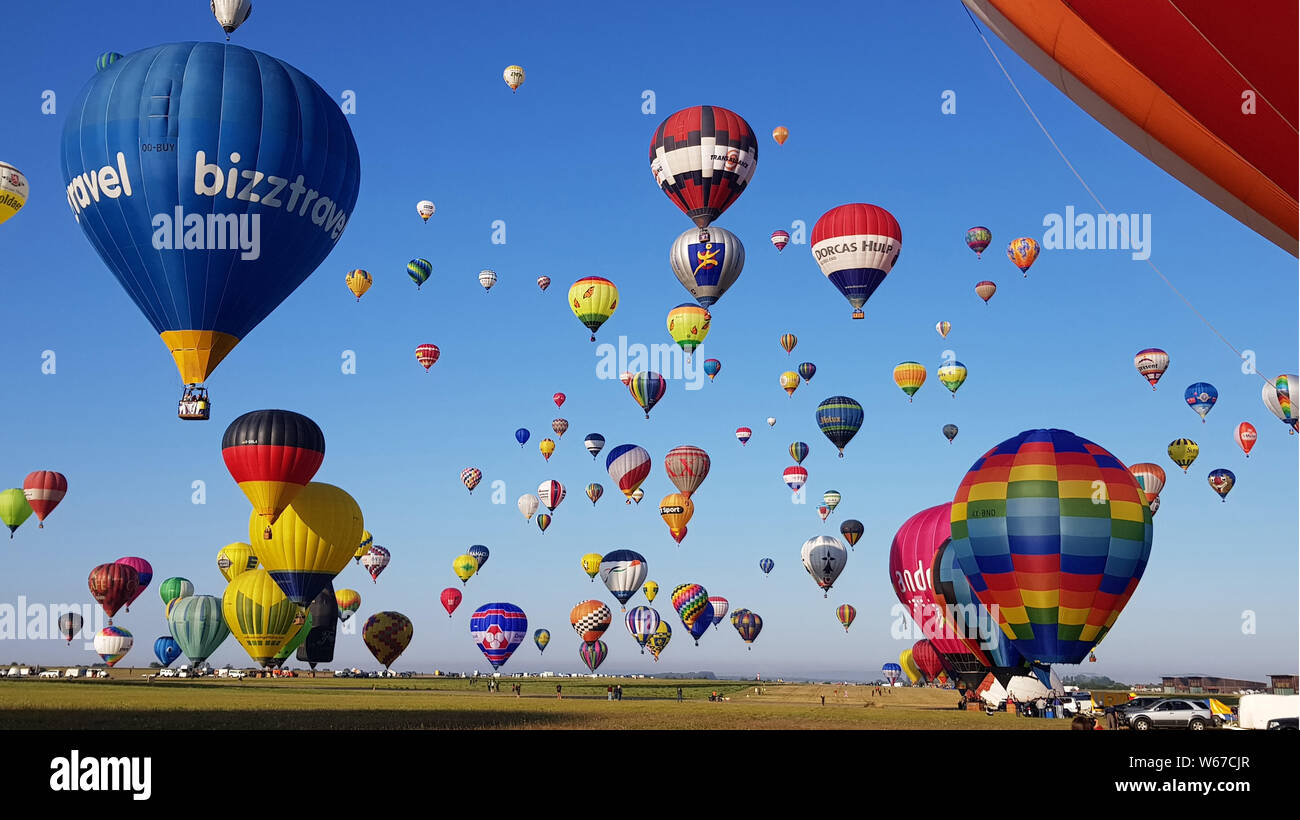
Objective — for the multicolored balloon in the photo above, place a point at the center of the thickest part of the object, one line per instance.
(593, 654)
(824, 558)
(145, 572)
(425, 208)
(628, 465)
(559, 427)
(594, 492)
(795, 478)
(1201, 398)
(1281, 396)
(788, 342)
(852, 530)
(978, 238)
(720, 607)
(386, 635)
(657, 642)
(707, 261)
(499, 628)
(743, 434)
(1151, 364)
(748, 624)
(543, 521)
(550, 493)
(712, 367)
(703, 158)
(593, 300)
(856, 246)
(1150, 477)
(702, 623)
(272, 455)
(943, 329)
(839, 418)
(647, 387)
(348, 602)
(375, 561)
(909, 376)
(846, 613)
(367, 541)
(623, 572)
(642, 622)
(590, 619)
(1222, 481)
(1023, 252)
(960, 613)
(952, 375)
(358, 281)
(831, 498)
(470, 477)
(260, 616)
(690, 601)
(419, 270)
(112, 643)
(806, 371)
(798, 451)
(543, 282)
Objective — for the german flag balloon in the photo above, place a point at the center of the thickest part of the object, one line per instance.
(272, 454)
(703, 158)
(1054, 531)
(311, 541)
(260, 615)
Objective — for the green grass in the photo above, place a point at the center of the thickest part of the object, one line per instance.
(429, 703)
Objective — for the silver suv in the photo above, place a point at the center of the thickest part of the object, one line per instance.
(1174, 713)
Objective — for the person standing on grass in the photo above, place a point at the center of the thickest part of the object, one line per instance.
(823, 700)
(558, 696)
(609, 693)
(679, 694)
(618, 692)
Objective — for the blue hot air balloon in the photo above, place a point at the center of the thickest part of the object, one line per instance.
(1201, 397)
(521, 436)
(479, 553)
(212, 180)
(702, 623)
(806, 371)
(106, 59)
(839, 418)
(167, 650)
(498, 629)
(766, 565)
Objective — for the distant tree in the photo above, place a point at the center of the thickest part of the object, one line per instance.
(1093, 682)
(155, 665)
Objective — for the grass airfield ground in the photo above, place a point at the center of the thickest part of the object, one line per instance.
(127, 701)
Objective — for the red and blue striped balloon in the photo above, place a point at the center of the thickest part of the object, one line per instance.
(498, 629)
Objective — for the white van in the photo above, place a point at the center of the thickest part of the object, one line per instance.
(72, 673)
(1255, 711)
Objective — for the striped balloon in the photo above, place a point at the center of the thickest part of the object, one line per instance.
(795, 477)
(788, 342)
(743, 434)
(766, 565)
(427, 355)
(806, 370)
(720, 607)
(593, 654)
(386, 635)
(419, 270)
(1034, 540)
(839, 419)
(985, 290)
(748, 624)
(594, 442)
(1183, 451)
(846, 613)
(498, 629)
(629, 466)
(831, 498)
(689, 600)
(112, 643)
(798, 452)
(647, 387)
(1150, 477)
(909, 376)
(487, 278)
(954, 595)
(687, 467)
(642, 622)
(44, 489)
(198, 625)
(891, 671)
(594, 492)
(703, 157)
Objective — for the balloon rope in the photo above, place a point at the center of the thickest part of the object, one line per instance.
(1094, 196)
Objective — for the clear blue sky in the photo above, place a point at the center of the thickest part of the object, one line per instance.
(563, 163)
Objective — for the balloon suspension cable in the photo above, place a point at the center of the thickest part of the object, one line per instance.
(1094, 196)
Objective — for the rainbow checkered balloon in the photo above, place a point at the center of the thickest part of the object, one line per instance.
(1053, 530)
(689, 601)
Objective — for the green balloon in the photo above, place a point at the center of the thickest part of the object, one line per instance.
(174, 588)
(296, 641)
(198, 625)
(14, 509)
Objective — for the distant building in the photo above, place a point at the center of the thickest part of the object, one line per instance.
(1283, 684)
(1207, 685)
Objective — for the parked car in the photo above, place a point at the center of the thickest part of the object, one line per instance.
(1078, 703)
(236, 673)
(1135, 705)
(1174, 713)
(50, 673)
(1284, 724)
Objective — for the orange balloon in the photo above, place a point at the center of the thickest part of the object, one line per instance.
(780, 134)
(676, 510)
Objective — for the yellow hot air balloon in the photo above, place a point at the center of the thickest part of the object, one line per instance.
(260, 615)
(547, 447)
(676, 510)
(688, 324)
(348, 601)
(1184, 451)
(464, 566)
(789, 382)
(651, 589)
(952, 374)
(909, 376)
(593, 299)
(13, 191)
(359, 281)
(514, 76)
(310, 542)
(591, 564)
(367, 541)
(910, 668)
(236, 559)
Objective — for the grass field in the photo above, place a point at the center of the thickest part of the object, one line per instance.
(127, 702)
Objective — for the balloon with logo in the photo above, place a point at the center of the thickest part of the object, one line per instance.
(985, 290)
(712, 367)
(1280, 396)
(658, 641)
(260, 615)
(789, 382)
(479, 553)
(498, 629)
(419, 270)
(623, 572)
(235, 126)
(144, 572)
(542, 637)
(528, 504)
(559, 399)
(487, 278)
(375, 561)
(593, 300)
(688, 325)
(952, 375)
(14, 509)
(470, 477)
(236, 558)
(174, 588)
(425, 209)
(846, 613)
(348, 602)
(272, 455)
(1183, 452)
(839, 419)
(743, 435)
(13, 191)
(427, 355)
(546, 447)
(909, 376)
(831, 498)
(676, 510)
(691, 601)
(112, 643)
(766, 565)
(780, 239)
(950, 432)
(543, 282)
(113, 586)
(642, 622)
(1201, 398)
(591, 565)
(464, 566)
(69, 625)
(687, 467)
(590, 619)
(593, 654)
(1245, 435)
(543, 521)
(795, 477)
(594, 492)
(629, 466)
(386, 635)
(703, 158)
(1151, 364)
(166, 650)
(856, 246)
(978, 238)
(1222, 482)
(707, 261)
(198, 625)
(367, 541)
(852, 530)
(1023, 252)
(594, 442)
(1059, 565)
(43, 490)
(748, 624)
(824, 558)
(514, 77)
(720, 607)
(450, 599)
(358, 281)
(637, 495)
(647, 387)
(702, 623)
(651, 589)
(550, 493)
(315, 642)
